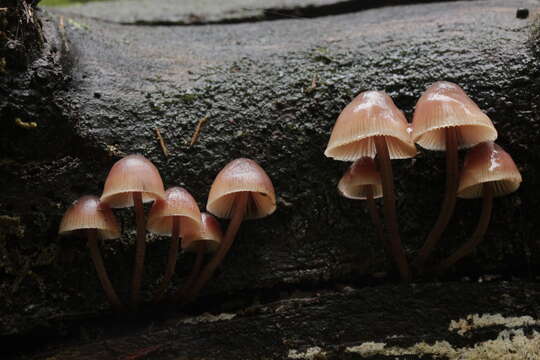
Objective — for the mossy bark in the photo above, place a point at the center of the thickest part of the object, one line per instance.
(271, 90)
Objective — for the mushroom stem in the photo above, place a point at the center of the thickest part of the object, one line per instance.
(171, 262)
(102, 273)
(375, 218)
(140, 249)
(385, 167)
(480, 231)
(449, 202)
(237, 218)
(200, 250)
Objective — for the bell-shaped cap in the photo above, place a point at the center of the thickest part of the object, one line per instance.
(178, 202)
(88, 213)
(210, 233)
(488, 162)
(134, 173)
(356, 181)
(242, 175)
(444, 105)
(372, 113)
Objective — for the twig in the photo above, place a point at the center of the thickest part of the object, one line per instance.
(198, 129)
(63, 36)
(162, 143)
(313, 85)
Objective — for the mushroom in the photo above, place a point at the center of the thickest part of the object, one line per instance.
(242, 190)
(90, 218)
(488, 172)
(371, 125)
(207, 241)
(178, 216)
(446, 119)
(132, 181)
(362, 181)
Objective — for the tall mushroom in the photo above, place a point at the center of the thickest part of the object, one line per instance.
(362, 181)
(446, 119)
(242, 190)
(488, 172)
(90, 218)
(372, 125)
(178, 216)
(207, 241)
(132, 181)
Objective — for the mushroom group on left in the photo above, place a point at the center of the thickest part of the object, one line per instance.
(94, 220)
(206, 242)
(241, 190)
(132, 181)
(178, 215)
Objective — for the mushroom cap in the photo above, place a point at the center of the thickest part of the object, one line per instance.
(372, 113)
(134, 173)
(361, 174)
(210, 233)
(445, 104)
(178, 202)
(242, 175)
(89, 213)
(488, 162)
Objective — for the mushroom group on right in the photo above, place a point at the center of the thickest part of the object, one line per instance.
(362, 181)
(371, 130)
(372, 126)
(446, 119)
(488, 172)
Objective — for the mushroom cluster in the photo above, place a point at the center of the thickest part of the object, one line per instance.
(371, 130)
(242, 190)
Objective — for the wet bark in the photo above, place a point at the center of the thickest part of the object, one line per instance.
(330, 320)
(96, 90)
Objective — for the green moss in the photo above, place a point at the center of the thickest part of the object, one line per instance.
(11, 225)
(64, 2)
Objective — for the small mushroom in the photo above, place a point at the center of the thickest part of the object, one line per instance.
(488, 172)
(242, 190)
(88, 217)
(446, 119)
(207, 241)
(371, 125)
(178, 216)
(362, 181)
(131, 181)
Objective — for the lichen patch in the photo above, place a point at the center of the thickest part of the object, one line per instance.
(475, 321)
(510, 344)
(207, 317)
(312, 353)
